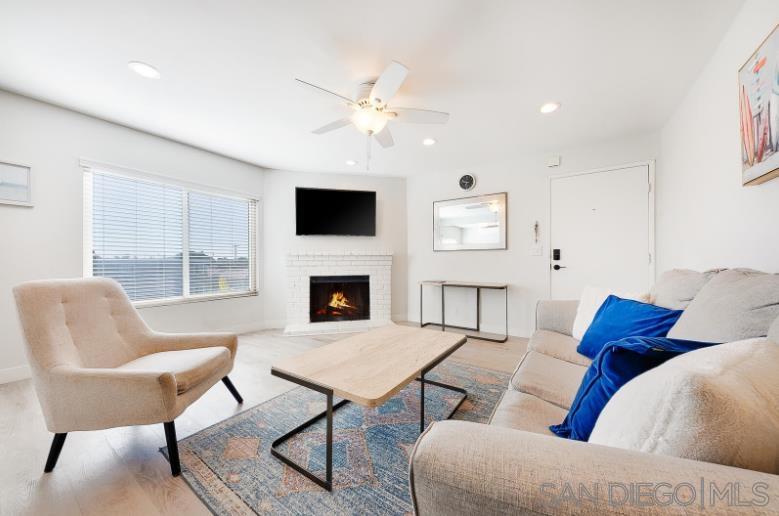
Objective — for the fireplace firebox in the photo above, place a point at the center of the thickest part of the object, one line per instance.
(339, 298)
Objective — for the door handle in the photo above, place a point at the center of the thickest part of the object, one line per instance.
(558, 267)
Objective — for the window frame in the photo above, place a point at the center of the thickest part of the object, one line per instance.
(89, 167)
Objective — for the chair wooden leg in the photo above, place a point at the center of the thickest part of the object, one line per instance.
(54, 452)
(173, 448)
(232, 389)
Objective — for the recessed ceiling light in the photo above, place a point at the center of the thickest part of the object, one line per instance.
(428, 142)
(550, 107)
(144, 70)
(351, 162)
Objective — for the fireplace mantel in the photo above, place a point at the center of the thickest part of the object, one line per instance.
(302, 265)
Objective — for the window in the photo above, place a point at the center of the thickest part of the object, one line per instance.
(218, 244)
(166, 242)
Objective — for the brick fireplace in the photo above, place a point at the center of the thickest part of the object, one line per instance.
(338, 291)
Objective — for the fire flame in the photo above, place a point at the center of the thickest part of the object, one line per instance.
(339, 300)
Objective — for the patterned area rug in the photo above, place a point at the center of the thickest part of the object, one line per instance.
(230, 468)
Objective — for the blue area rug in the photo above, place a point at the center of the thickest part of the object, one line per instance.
(230, 468)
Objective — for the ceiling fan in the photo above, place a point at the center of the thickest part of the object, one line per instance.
(370, 110)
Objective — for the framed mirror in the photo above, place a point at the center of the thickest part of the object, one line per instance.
(470, 223)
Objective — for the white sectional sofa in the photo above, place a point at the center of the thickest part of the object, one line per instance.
(515, 465)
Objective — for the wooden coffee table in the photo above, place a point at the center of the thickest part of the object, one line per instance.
(367, 369)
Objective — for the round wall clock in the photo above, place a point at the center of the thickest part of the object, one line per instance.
(467, 182)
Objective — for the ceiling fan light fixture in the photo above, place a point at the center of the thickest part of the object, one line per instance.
(369, 120)
(144, 69)
(550, 107)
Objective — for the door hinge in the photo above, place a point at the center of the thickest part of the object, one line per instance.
(649, 187)
(650, 257)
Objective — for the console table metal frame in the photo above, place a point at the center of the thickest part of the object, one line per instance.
(458, 284)
(327, 482)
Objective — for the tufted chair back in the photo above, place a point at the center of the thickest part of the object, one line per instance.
(80, 322)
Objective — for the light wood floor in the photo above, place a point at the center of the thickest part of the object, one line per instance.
(121, 471)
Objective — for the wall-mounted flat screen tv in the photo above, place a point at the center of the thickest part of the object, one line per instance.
(335, 212)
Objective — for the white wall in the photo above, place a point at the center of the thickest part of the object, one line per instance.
(705, 218)
(526, 181)
(46, 241)
(280, 238)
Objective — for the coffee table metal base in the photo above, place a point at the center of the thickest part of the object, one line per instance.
(327, 482)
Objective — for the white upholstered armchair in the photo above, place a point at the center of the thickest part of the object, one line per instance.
(97, 365)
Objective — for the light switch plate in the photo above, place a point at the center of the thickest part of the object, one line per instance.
(537, 250)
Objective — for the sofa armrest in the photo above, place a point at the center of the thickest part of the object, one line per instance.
(555, 315)
(469, 468)
(156, 342)
(81, 398)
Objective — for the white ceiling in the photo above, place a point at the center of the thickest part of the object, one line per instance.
(617, 66)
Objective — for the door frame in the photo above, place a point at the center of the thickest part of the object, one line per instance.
(652, 258)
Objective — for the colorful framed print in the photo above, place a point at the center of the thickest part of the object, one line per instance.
(758, 82)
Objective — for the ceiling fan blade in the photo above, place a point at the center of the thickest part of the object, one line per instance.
(328, 92)
(384, 137)
(420, 116)
(388, 83)
(332, 126)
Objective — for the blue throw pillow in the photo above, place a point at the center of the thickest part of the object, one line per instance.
(616, 364)
(618, 318)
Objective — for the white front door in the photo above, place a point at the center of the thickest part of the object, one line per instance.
(602, 231)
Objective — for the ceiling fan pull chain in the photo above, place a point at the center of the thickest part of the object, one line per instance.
(368, 153)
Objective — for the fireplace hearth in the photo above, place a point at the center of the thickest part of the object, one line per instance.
(339, 298)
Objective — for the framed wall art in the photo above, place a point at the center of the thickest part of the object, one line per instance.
(758, 82)
(15, 184)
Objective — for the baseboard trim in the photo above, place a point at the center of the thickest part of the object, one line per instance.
(274, 324)
(14, 374)
(245, 328)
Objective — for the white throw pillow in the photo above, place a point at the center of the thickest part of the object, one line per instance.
(716, 404)
(592, 299)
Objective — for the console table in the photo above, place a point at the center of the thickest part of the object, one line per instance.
(464, 284)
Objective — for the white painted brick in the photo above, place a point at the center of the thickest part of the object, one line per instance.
(302, 265)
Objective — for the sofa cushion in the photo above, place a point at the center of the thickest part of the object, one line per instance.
(616, 364)
(773, 332)
(675, 289)
(550, 379)
(716, 404)
(620, 318)
(557, 345)
(526, 412)
(189, 366)
(735, 304)
(556, 315)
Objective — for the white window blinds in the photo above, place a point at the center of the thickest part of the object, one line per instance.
(165, 242)
(220, 250)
